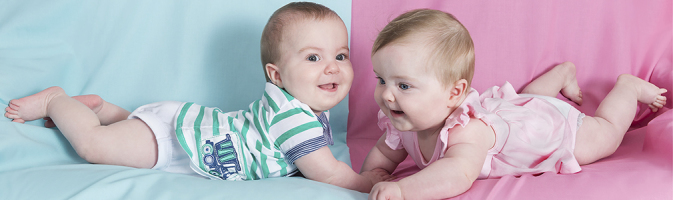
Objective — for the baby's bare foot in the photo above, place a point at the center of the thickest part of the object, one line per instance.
(648, 93)
(32, 107)
(659, 102)
(94, 102)
(571, 88)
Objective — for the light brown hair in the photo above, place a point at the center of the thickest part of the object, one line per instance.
(452, 56)
(290, 13)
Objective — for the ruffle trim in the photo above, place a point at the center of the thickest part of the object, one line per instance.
(392, 134)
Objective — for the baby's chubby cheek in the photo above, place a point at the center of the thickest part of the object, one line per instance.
(378, 99)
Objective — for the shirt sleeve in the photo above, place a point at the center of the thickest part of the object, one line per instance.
(297, 133)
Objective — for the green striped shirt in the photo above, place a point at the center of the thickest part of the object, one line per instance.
(261, 142)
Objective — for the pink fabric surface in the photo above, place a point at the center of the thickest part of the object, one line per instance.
(517, 41)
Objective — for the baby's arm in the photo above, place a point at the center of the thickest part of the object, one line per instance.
(449, 176)
(382, 156)
(321, 165)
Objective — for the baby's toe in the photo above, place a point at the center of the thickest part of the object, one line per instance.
(661, 99)
(10, 110)
(11, 115)
(658, 104)
(14, 104)
(653, 108)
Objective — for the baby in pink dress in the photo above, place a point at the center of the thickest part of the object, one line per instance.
(424, 62)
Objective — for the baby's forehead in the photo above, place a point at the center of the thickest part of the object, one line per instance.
(297, 29)
(296, 22)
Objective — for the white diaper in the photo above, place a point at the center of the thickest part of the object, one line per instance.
(160, 117)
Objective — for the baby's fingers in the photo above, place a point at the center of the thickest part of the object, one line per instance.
(390, 178)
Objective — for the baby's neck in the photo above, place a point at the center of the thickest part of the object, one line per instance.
(429, 133)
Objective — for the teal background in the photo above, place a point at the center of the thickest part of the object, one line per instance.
(133, 53)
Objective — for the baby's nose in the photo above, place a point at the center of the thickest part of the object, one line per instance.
(332, 68)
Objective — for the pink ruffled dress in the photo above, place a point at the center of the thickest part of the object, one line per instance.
(534, 134)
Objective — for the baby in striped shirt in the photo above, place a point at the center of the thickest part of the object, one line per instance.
(305, 56)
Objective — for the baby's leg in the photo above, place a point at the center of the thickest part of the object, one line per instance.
(107, 113)
(128, 142)
(562, 79)
(599, 136)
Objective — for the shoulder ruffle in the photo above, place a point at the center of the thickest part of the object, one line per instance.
(471, 107)
(505, 92)
(393, 139)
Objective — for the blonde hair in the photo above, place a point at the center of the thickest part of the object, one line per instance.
(273, 31)
(452, 56)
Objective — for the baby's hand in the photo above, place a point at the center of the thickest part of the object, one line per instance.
(386, 190)
(377, 175)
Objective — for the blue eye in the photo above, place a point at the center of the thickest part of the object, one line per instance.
(341, 57)
(404, 86)
(313, 58)
(381, 81)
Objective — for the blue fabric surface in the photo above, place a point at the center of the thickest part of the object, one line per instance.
(133, 53)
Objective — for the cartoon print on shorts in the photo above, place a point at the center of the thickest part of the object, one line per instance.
(220, 158)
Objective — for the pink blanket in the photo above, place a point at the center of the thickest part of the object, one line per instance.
(517, 41)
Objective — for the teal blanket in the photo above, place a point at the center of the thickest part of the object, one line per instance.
(133, 53)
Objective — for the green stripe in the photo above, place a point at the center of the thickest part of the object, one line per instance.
(281, 162)
(216, 123)
(309, 113)
(287, 95)
(246, 126)
(259, 127)
(227, 158)
(178, 129)
(230, 120)
(254, 170)
(296, 130)
(285, 114)
(197, 135)
(224, 151)
(226, 144)
(265, 169)
(271, 103)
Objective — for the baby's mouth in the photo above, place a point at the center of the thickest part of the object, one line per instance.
(329, 86)
(397, 112)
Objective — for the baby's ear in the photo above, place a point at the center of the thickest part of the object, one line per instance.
(457, 91)
(273, 74)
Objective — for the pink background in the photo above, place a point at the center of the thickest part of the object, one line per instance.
(517, 41)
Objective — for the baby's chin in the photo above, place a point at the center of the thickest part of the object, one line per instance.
(321, 104)
(327, 103)
(322, 108)
(401, 128)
